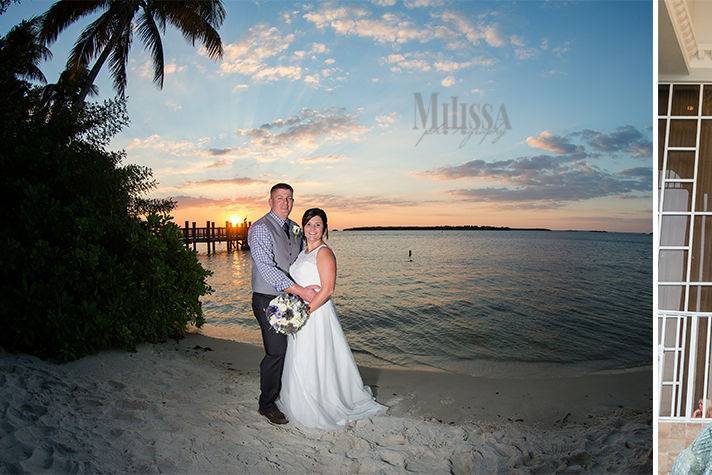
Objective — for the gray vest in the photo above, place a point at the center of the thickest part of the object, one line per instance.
(285, 252)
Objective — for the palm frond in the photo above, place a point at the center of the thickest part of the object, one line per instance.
(151, 36)
(64, 13)
(196, 21)
(92, 40)
(21, 51)
(120, 58)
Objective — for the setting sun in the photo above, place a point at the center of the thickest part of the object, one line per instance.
(235, 220)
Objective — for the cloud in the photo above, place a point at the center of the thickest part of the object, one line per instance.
(318, 48)
(550, 73)
(240, 87)
(225, 181)
(384, 3)
(358, 203)
(474, 34)
(386, 120)
(329, 61)
(219, 151)
(249, 56)
(551, 143)
(400, 62)
(173, 68)
(448, 81)
(525, 53)
(157, 143)
(516, 40)
(301, 133)
(423, 3)
(356, 21)
(543, 181)
(562, 50)
(145, 70)
(640, 172)
(625, 139)
(422, 61)
(173, 105)
(320, 159)
(185, 201)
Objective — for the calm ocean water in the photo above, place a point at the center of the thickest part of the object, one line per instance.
(493, 303)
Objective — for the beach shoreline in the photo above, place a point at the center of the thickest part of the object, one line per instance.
(189, 406)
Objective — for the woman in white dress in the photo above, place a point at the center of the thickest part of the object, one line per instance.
(321, 385)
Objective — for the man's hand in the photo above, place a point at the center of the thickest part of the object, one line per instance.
(309, 292)
(306, 293)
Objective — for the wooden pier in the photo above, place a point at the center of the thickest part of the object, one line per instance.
(234, 235)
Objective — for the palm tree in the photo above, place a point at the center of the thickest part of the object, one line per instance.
(109, 37)
(21, 52)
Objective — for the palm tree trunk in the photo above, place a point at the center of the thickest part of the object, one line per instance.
(86, 86)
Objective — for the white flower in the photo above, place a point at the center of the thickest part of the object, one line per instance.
(296, 230)
(282, 307)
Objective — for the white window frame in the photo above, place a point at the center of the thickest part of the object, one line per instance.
(681, 318)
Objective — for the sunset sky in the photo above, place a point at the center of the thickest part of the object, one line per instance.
(322, 96)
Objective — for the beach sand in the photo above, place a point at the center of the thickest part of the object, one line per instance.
(190, 407)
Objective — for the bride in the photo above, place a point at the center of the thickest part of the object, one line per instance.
(321, 385)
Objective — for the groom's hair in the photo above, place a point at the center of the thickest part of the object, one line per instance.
(310, 213)
(280, 186)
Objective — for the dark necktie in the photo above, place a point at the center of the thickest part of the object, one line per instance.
(285, 226)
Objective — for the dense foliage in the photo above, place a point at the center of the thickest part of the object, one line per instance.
(88, 262)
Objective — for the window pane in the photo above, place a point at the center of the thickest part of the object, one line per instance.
(663, 94)
(702, 250)
(661, 154)
(704, 168)
(672, 266)
(677, 197)
(707, 100)
(670, 332)
(671, 297)
(665, 397)
(699, 408)
(668, 365)
(675, 231)
(700, 298)
(681, 164)
(685, 99)
(683, 133)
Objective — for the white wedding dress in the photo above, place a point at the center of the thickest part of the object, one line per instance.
(321, 385)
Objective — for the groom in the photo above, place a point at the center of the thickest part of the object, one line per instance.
(275, 242)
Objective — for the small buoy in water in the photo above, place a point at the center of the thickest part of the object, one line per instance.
(410, 255)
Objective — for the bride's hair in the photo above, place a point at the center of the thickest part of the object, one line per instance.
(310, 213)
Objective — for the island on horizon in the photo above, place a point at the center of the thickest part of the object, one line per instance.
(470, 227)
(466, 227)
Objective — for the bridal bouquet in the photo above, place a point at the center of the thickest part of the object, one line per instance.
(287, 313)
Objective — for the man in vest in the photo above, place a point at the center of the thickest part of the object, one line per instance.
(275, 242)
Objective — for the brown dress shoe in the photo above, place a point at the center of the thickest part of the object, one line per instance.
(274, 415)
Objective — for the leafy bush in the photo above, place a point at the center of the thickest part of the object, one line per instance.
(88, 263)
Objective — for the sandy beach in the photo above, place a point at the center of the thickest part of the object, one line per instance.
(190, 407)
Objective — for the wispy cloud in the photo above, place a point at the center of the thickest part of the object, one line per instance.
(544, 181)
(357, 21)
(241, 181)
(251, 54)
(302, 133)
(551, 143)
(386, 120)
(624, 139)
(332, 158)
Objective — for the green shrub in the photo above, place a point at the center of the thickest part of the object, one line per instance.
(88, 262)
